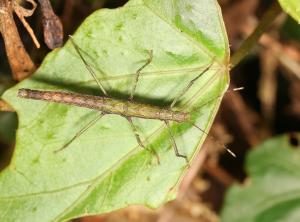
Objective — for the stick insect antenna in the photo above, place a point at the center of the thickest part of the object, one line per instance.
(138, 72)
(212, 137)
(88, 67)
(191, 83)
(216, 97)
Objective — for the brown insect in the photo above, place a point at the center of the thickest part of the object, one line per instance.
(125, 108)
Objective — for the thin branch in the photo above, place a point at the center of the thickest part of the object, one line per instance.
(53, 29)
(20, 62)
(23, 12)
(252, 40)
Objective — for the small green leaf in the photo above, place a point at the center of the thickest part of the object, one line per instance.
(290, 30)
(291, 7)
(8, 125)
(273, 191)
(105, 169)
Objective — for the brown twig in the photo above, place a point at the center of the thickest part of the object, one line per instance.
(192, 172)
(267, 85)
(53, 29)
(20, 62)
(287, 56)
(218, 173)
(23, 12)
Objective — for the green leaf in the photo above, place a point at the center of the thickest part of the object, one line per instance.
(105, 169)
(8, 125)
(291, 7)
(290, 30)
(273, 191)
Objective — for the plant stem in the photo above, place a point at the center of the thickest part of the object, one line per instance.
(252, 40)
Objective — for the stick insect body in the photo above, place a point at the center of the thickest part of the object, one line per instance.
(108, 105)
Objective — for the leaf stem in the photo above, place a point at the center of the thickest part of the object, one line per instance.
(252, 40)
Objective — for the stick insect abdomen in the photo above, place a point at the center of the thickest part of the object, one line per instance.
(106, 105)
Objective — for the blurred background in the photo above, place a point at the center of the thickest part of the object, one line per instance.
(269, 104)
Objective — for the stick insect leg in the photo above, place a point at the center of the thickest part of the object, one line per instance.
(137, 136)
(174, 143)
(138, 72)
(88, 67)
(190, 85)
(79, 133)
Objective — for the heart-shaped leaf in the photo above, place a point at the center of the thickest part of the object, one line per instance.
(291, 7)
(273, 191)
(105, 169)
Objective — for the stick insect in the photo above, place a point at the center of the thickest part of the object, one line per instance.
(126, 108)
